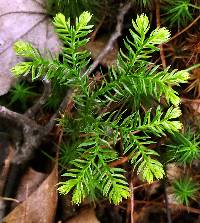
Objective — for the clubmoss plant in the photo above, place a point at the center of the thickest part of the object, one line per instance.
(97, 127)
(179, 12)
(184, 148)
(20, 94)
(185, 189)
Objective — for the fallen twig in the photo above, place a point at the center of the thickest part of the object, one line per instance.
(188, 100)
(33, 135)
(109, 46)
(60, 111)
(19, 119)
(42, 100)
(9, 199)
(185, 29)
(178, 206)
(119, 161)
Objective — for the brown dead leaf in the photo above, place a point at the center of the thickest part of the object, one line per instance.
(172, 198)
(30, 181)
(192, 104)
(174, 171)
(95, 47)
(191, 114)
(40, 206)
(151, 214)
(85, 216)
(153, 188)
(27, 20)
(194, 82)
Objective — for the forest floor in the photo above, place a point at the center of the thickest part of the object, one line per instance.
(28, 185)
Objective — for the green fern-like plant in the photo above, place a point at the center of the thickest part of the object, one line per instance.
(93, 132)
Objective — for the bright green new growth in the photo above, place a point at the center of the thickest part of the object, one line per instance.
(91, 175)
(74, 59)
(185, 189)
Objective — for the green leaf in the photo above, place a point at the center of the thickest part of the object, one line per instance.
(159, 36)
(161, 124)
(25, 49)
(22, 68)
(83, 20)
(141, 25)
(87, 143)
(150, 169)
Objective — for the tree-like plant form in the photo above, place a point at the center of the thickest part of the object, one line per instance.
(107, 113)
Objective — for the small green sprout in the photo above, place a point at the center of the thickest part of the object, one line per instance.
(20, 93)
(185, 189)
